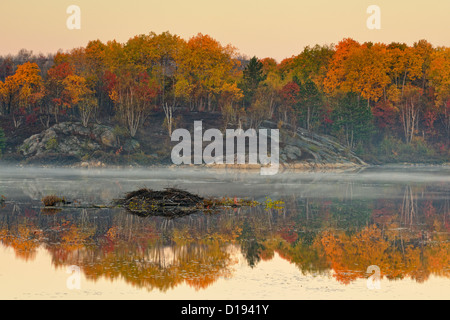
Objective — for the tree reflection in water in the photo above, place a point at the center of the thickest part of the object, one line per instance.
(406, 238)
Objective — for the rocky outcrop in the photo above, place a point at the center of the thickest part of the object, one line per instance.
(98, 143)
(303, 150)
(300, 146)
(70, 139)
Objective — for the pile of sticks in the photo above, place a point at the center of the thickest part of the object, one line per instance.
(170, 202)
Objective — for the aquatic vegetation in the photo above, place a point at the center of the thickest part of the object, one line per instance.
(211, 204)
(271, 204)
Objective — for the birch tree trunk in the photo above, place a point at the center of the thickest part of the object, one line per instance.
(168, 111)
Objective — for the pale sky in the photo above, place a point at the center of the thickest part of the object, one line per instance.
(265, 28)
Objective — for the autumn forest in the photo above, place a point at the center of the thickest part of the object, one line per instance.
(386, 102)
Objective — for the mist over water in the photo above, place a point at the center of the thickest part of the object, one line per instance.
(16, 183)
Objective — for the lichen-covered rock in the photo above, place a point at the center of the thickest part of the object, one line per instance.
(293, 152)
(108, 138)
(302, 146)
(69, 138)
(131, 146)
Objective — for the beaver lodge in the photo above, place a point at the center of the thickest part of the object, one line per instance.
(172, 202)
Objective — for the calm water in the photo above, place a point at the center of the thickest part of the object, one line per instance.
(318, 242)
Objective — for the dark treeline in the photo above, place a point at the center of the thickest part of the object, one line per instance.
(380, 100)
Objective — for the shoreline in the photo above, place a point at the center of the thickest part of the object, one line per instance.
(293, 167)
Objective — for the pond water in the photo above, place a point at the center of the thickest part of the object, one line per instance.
(313, 236)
